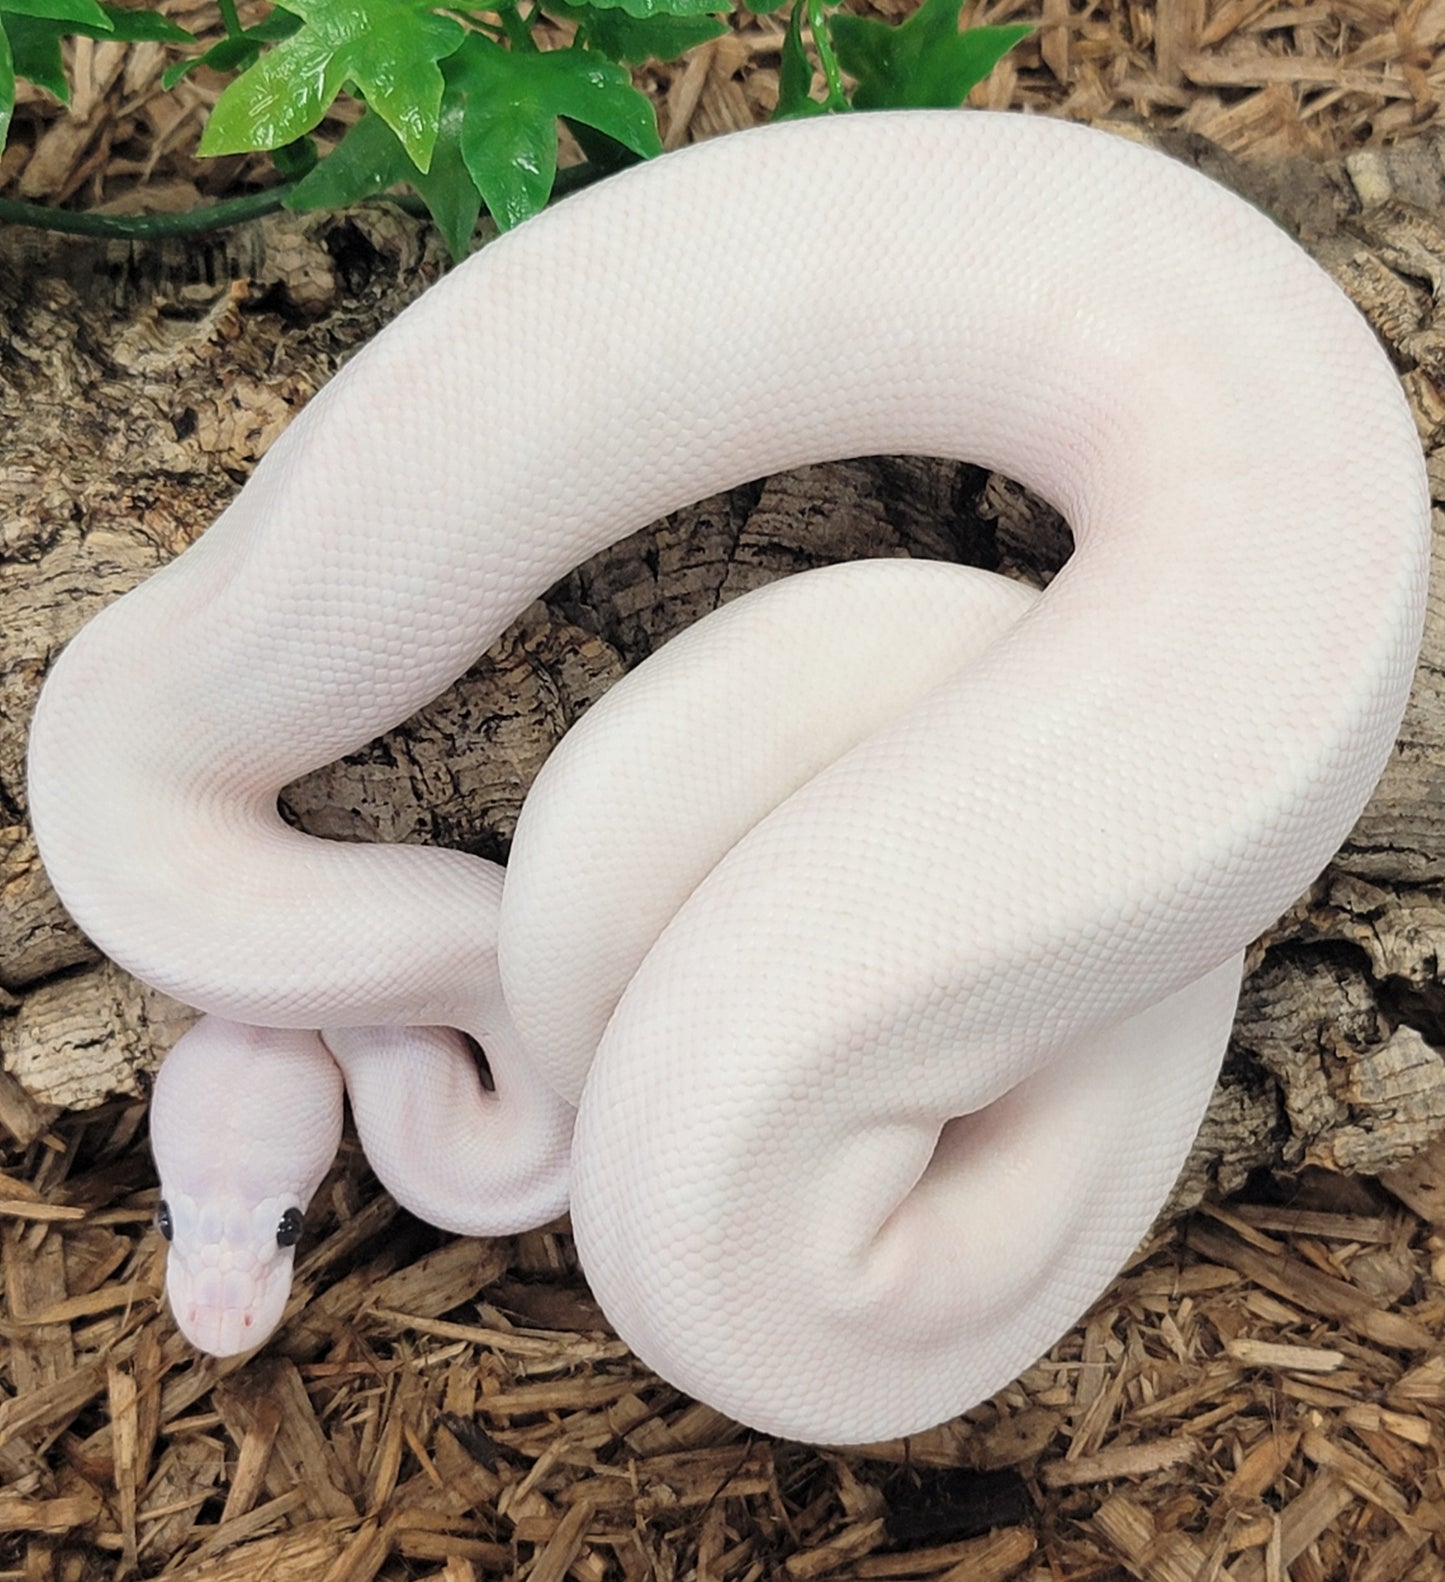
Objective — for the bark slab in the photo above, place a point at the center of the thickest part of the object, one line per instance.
(138, 389)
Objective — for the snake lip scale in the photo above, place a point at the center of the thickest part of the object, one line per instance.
(864, 961)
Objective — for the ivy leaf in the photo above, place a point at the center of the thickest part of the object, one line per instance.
(645, 10)
(35, 40)
(388, 48)
(83, 11)
(509, 126)
(237, 51)
(230, 54)
(141, 27)
(369, 159)
(7, 86)
(447, 188)
(795, 74)
(35, 53)
(925, 62)
(496, 138)
(295, 160)
(280, 24)
(633, 41)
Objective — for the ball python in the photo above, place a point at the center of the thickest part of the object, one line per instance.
(864, 962)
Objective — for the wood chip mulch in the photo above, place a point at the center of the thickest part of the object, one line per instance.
(1260, 1397)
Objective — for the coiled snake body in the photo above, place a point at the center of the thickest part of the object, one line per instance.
(886, 929)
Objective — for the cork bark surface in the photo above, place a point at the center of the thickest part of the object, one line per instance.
(136, 394)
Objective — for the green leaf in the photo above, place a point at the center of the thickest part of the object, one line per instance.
(35, 51)
(35, 41)
(85, 11)
(925, 62)
(295, 160)
(280, 98)
(633, 41)
(496, 137)
(144, 27)
(367, 161)
(388, 48)
(31, 31)
(7, 87)
(239, 51)
(644, 10)
(509, 125)
(511, 156)
(229, 54)
(280, 24)
(795, 74)
(447, 188)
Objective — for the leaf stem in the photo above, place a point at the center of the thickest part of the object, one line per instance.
(232, 211)
(518, 28)
(145, 227)
(818, 26)
(231, 17)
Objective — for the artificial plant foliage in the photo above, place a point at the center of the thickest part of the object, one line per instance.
(31, 31)
(924, 63)
(509, 125)
(462, 105)
(85, 12)
(7, 84)
(632, 40)
(388, 48)
(239, 49)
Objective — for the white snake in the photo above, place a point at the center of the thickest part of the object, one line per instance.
(886, 929)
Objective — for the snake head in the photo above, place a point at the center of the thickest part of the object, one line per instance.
(245, 1122)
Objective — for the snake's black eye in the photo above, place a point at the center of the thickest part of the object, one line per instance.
(288, 1232)
(164, 1223)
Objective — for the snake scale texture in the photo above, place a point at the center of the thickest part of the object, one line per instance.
(865, 960)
